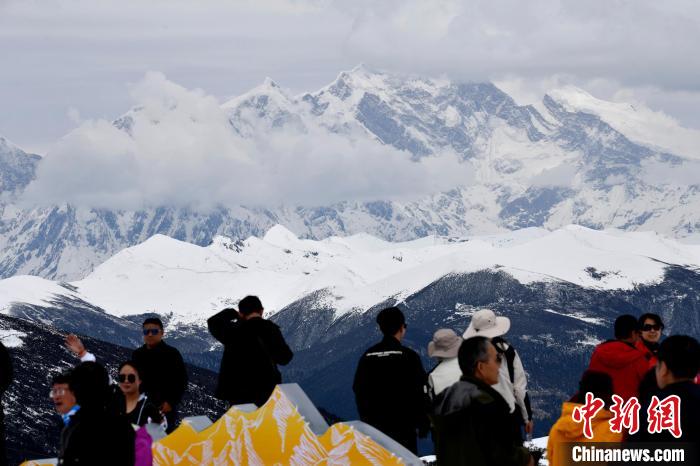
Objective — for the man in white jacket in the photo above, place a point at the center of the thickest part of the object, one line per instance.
(512, 380)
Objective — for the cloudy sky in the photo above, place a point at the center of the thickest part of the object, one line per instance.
(72, 66)
(66, 61)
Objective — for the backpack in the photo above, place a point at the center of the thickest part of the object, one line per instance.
(509, 354)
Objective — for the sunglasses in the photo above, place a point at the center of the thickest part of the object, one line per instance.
(650, 327)
(124, 377)
(499, 358)
(151, 331)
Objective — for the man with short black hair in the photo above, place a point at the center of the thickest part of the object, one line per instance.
(162, 370)
(253, 347)
(470, 417)
(621, 359)
(676, 369)
(390, 384)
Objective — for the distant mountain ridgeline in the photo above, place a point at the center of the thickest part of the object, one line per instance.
(547, 165)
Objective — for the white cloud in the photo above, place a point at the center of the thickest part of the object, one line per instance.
(182, 151)
(684, 174)
(560, 176)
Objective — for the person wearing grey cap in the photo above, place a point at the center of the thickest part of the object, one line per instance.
(444, 347)
(512, 379)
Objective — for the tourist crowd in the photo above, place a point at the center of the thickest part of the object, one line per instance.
(474, 402)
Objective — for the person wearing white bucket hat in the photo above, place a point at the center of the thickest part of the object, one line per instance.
(512, 380)
(444, 347)
(485, 323)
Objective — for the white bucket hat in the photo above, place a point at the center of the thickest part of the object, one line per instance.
(485, 324)
(445, 344)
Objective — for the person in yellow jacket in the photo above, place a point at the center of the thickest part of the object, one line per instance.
(566, 430)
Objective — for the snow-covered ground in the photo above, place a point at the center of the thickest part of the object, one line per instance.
(165, 275)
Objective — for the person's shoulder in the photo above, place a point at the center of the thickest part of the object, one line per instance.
(266, 324)
(409, 352)
(169, 348)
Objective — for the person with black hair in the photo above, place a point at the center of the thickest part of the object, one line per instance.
(5, 380)
(471, 419)
(621, 359)
(253, 347)
(137, 407)
(566, 430)
(390, 384)
(91, 434)
(163, 372)
(650, 329)
(678, 365)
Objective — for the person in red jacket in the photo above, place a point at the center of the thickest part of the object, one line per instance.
(621, 359)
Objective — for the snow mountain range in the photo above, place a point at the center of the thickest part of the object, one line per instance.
(572, 159)
(561, 289)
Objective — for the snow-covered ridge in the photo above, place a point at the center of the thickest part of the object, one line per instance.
(636, 121)
(165, 275)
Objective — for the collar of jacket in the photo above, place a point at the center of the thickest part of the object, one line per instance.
(390, 340)
(159, 347)
(66, 417)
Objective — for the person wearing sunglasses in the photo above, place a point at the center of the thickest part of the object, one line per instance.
(471, 419)
(162, 370)
(138, 409)
(651, 327)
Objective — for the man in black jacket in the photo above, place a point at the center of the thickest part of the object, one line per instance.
(163, 372)
(471, 420)
(390, 384)
(253, 347)
(91, 434)
(678, 365)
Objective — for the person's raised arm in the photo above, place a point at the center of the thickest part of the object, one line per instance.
(75, 346)
(219, 323)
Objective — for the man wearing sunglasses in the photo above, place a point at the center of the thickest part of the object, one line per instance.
(471, 419)
(163, 373)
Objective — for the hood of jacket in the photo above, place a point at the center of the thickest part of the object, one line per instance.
(572, 431)
(457, 397)
(617, 354)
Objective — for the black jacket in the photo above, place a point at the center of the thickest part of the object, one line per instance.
(143, 411)
(163, 373)
(5, 372)
(689, 393)
(96, 438)
(470, 421)
(390, 390)
(252, 350)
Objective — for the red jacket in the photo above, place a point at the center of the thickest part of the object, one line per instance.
(643, 348)
(624, 363)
